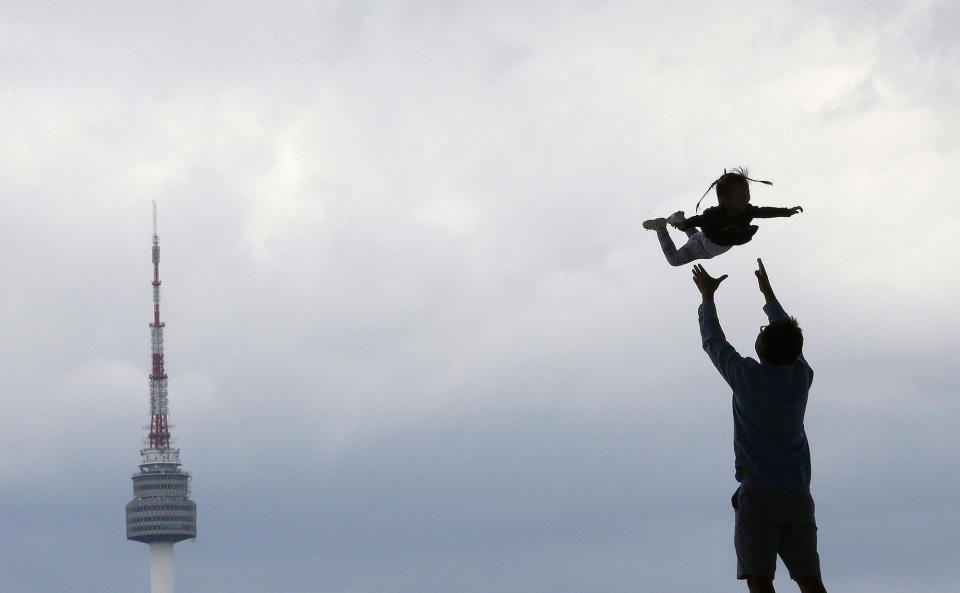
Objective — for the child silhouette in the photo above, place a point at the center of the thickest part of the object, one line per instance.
(722, 226)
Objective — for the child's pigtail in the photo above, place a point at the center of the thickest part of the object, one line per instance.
(705, 195)
(743, 172)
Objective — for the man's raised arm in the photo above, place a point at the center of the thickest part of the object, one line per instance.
(772, 308)
(724, 356)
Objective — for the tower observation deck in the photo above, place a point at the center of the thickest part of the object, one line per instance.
(161, 512)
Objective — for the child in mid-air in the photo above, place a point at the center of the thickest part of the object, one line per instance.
(722, 226)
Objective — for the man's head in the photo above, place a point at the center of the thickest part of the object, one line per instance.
(781, 342)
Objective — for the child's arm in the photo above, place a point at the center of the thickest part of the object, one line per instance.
(771, 212)
(689, 223)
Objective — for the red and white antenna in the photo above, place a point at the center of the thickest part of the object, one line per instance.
(159, 430)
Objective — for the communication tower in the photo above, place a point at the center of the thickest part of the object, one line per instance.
(161, 512)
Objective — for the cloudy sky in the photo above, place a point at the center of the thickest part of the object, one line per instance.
(416, 337)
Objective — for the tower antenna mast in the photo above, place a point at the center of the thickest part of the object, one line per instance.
(159, 408)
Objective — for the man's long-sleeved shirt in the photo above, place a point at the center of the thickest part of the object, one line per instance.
(723, 229)
(769, 401)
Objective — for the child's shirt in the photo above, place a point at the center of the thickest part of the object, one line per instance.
(769, 402)
(723, 229)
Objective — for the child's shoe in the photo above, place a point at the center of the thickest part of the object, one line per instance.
(655, 224)
(676, 218)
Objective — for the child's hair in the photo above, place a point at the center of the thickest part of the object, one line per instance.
(725, 183)
(782, 341)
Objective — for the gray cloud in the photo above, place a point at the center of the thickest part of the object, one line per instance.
(416, 338)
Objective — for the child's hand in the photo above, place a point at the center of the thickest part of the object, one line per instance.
(795, 209)
(680, 226)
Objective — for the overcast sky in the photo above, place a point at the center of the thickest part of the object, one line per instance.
(417, 339)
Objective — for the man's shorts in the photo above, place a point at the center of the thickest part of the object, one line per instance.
(771, 521)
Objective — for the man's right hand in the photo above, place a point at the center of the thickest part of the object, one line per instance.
(706, 283)
(764, 281)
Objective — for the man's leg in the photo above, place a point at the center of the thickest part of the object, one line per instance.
(760, 584)
(756, 536)
(798, 544)
(811, 586)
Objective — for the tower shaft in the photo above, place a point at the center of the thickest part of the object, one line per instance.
(161, 567)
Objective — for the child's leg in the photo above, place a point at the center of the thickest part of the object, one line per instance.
(710, 248)
(679, 217)
(692, 251)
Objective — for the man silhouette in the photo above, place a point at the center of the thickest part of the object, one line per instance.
(773, 507)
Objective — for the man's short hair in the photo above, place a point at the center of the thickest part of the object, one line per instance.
(782, 341)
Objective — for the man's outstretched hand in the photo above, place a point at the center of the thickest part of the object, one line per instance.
(705, 282)
(764, 281)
